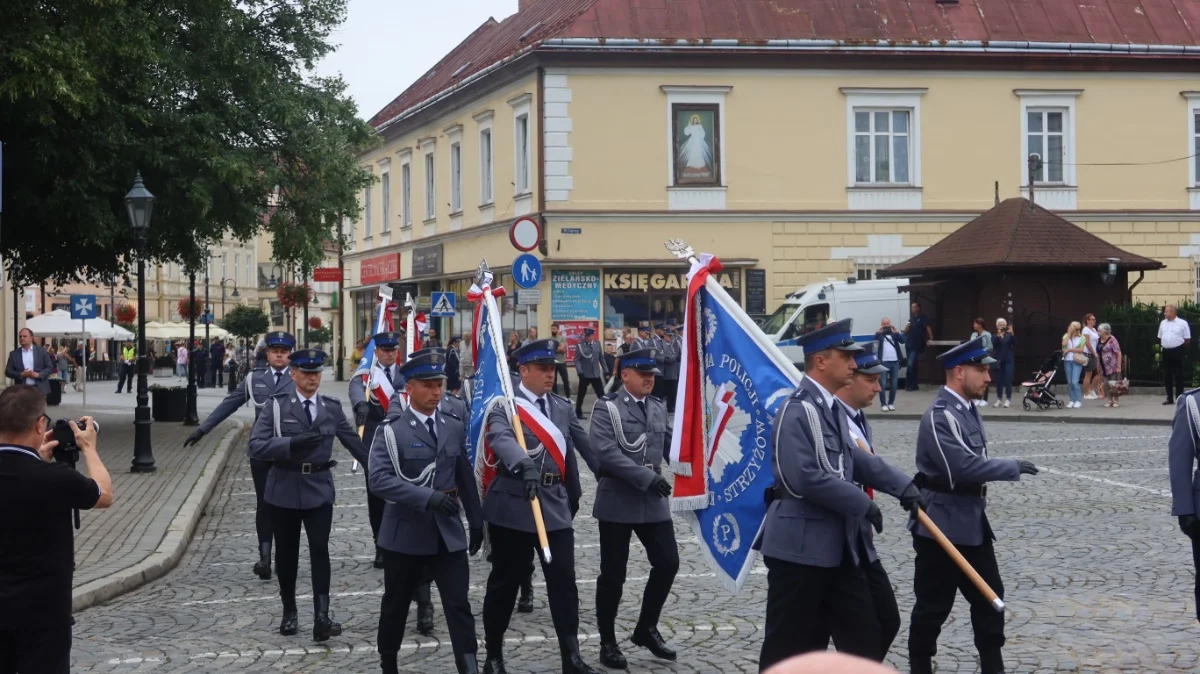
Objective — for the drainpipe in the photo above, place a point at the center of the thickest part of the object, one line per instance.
(1141, 275)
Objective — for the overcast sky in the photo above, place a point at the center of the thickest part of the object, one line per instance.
(385, 45)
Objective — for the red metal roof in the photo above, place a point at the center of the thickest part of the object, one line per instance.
(1134, 22)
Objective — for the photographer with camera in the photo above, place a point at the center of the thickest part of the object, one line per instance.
(38, 492)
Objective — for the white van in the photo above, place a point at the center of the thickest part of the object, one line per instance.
(867, 302)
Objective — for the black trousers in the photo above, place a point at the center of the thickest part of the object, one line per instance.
(1172, 367)
(402, 574)
(560, 374)
(218, 373)
(125, 378)
(597, 386)
(259, 470)
(663, 554)
(1196, 564)
(36, 651)
(808, 604)
(886, 610)
(937, 580)
(317, 524)
(374, 508)
(511, 554)
(670, 388)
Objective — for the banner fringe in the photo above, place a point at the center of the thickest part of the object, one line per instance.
(682, 468)
(687, 504)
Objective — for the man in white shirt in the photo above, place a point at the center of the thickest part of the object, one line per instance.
(30, 364)
(1174, 336)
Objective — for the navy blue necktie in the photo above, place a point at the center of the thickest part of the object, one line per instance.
(541, 403)
(432, 432)
(308, 411)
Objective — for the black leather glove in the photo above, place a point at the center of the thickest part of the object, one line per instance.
(476, 541)
(875, 517)
(194, 437)
(911, 499)
(443, 503)
(1027, 467)
(1188, 525)
(660, 486)
(360, 413)
(306, 441)
(530, 477)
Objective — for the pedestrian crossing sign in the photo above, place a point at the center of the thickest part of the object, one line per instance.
(442, 305)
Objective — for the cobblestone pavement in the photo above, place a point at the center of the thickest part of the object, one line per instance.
(1098, 579)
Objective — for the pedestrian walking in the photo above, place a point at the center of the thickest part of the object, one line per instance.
(952, 469)
(1174, 335)
(295, 432)
(65, 362)
(181, 360)
(591, 369)
(560, 363)
(887, 345)
(917, 335)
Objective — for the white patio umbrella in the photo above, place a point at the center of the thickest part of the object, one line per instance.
(58, 323)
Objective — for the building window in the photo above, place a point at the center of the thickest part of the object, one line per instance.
(867, 272)
(1196, 278)
(385, 222)
(456, 178)
(406, 193)
(249, 275)
(696, 144)
(1048, 138)
(881, 147)
(367, 213)
(237, 269)
(485, 167)
(522, 150)
(430, 188)
(1045, 145)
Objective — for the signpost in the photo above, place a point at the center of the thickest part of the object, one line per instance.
(525, 233)
(83, 307)
(443, 305)
(527, 271)
(529, 297)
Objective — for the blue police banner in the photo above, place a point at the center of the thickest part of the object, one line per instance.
(491, 386)
(383, 319)
(733, 380)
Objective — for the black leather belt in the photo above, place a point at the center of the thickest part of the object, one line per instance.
(452, 493)
(304, 468)
(547, 479)
(776, 493)
(603, 473)
(923, 481)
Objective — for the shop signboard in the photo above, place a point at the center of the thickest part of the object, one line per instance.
(756, 292)
(575, 295)
(379, 269)
(427, 260)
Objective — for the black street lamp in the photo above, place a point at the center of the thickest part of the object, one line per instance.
(140, 204)
(191, 417)
(304, 281)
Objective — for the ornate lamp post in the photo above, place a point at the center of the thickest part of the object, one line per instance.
(140, 204)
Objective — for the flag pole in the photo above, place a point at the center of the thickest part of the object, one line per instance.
(484, 279)
(385, 295)
(963, 565)
(410, 326)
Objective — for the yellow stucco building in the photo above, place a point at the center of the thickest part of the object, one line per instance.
(796, 149)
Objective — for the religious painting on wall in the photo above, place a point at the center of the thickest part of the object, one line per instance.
(697, 144)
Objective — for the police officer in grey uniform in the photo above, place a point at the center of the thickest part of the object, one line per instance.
(952, 467)
(260, 386)
(368, 413)
(295, 432)
(672, 351)
(629, 435)
(419, 464)
(643, 339)
(506, 509)
(812, 541)
(589, 363)
(660, 350)
(1183, 449)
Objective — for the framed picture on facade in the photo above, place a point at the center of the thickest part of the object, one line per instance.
(697, 143)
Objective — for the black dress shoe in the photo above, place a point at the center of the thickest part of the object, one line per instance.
(425, 618)
(378, 563)
(467, 664)
(920, 665)
(388, 663)
(323, 625)
(650, 639)
(494, 666)
(262, 568)
(612, 657)
(572, 663)
(289, 624)
(525, 602)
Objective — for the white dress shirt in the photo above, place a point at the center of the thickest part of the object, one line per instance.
(1173, 333)
(422, 418)
(533, 399)
(312, 414)
(27, 363)
(828, 397)
(859, 434)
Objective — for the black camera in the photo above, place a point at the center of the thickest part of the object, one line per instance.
(67, 450)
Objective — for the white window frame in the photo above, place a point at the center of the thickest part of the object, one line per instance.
(1060, 196)
(429, 164)
(487, 159)
(237, 269)
(367, 211)
(1196, 277)
(405, 157)
(876, 195)
(1193, 141)
(522, 106)
(891, 134)
(385, 201)
(454, 137)
(251, 282)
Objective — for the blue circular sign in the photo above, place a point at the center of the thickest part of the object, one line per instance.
(527, 271)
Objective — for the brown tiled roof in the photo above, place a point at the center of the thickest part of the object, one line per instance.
(1017, 234)
(1127, 22)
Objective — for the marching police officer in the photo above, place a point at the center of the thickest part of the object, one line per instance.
(855, 397)
(419, 464)
(952, 467)
(672, 351)
(629, 435)
(589, 363)
(295, 432)
(551, 473)
(1185, 482)
(368, 414)
(812, 541)
(260, 386)
(658, 343)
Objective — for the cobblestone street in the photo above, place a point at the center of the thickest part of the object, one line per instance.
(1097, 577)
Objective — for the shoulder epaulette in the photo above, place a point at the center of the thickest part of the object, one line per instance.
(1188, 393)
(655, 398)
(939, 404)
(452, 415)
(260, 369)
(281, 394)
(448, 394)
(555, 395)
(611, 396)
(335, 401)
(800, 393)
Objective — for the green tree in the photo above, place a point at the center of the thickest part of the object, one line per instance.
(215, 103)
(246, 322)
(321, 335)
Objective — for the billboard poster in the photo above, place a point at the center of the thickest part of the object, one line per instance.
(575, 295)
(571, 332)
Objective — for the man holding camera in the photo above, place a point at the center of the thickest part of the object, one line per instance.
(36, 537)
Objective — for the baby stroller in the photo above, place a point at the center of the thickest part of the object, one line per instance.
(1037, 392)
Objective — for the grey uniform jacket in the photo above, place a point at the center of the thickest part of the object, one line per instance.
(505, 504)
(660, 351)
(1185, 438)
(589, 361)
(623, 492)
(43, 364)
(409, 526)
(258, 388)
(829, 516)
(893, 484)
(358, 394)
(671, 354)
(952, 450)
(292, 488)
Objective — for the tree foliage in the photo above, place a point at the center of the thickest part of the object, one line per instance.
(246, 322)
(322, 335)
(215, 103)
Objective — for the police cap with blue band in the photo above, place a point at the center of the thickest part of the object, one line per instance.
(836, 335)
(867, 362)
(280, 338)
(425, 364)
(308, 360)
(387, 340)
(540, 351)
(641, 360)
(967, 353)
(588, 332)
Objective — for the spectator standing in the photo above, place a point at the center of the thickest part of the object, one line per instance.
(1093, 381)
(453, 366)
(199, 362)
(979, 331)
(1004, 344)
(217, 360)
(29, 363)
(64, 366)
(181, 360)
(560, 363)
(514, 343)
(128, 354)
(887, 345)
(1174, 334)
(1075, 349)
(917, 335)
(1109, 350)
(530, 337)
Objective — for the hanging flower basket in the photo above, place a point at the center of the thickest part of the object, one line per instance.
(190, 308)
(292, 295)
(126, 314)
(315, 323)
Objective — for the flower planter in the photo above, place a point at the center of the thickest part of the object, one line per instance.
(168, 404)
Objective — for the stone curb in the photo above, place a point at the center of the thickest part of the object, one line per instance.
(174, 541)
